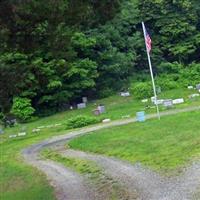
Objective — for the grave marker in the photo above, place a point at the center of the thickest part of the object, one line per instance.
(84, 99)
(198, 86)
(124, 94)
(81, 105)
(168, 103)
(178, 101)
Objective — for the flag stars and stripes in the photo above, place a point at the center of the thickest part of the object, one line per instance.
(148, 40)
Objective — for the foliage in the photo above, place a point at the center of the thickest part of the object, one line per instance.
(81, 121)
(142, 90)
(57, 51)
(22, 109)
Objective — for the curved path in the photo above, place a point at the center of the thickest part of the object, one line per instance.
(69, 185)
(150, 185)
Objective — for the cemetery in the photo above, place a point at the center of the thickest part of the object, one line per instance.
(99, 100)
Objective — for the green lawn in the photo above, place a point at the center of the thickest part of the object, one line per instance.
(162, 145)
(16, 180)
(116, 108)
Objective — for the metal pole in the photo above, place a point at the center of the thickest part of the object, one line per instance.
(152, 77)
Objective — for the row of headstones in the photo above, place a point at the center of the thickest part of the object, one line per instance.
(192, 87)
(35, 130)
(99, 110)
(170, 102)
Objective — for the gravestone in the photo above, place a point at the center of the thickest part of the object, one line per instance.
(194, 95)
(158, 102)
(84, 99)
(106, 120)
(168, 103)
(153, 99)
(81, 105)
(144, 100)
(178, 101)
(21, 134)
(198, 86)
(101, 109)
(1, 131)
(124, 94)
(190, 87)
(12, 136)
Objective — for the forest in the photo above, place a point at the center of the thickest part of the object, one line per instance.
(53, 52)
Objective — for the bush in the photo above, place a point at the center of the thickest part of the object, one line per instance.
(81, 121)
(142, 90)
(168, 82)
(105, 93)
(22, 109)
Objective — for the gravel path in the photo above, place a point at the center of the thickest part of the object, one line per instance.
(148, 184)
(70, 186)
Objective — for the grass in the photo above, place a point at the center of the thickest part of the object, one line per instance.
(116, 108)
(98, 179)
(161, 145)
(16, 180)
(79, 165)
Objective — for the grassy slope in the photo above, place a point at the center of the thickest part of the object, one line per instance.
(116, 108)
(16, 180)
(164, 144)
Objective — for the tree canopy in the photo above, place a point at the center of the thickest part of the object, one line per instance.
(52, 52)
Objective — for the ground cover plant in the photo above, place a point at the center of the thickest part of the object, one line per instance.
(163, 145)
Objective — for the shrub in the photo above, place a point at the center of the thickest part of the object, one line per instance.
(22, 109)
(168, 82)
(81, 121)
(106, 92)
(142, 90)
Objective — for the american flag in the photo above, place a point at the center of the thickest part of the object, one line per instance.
(147, 40)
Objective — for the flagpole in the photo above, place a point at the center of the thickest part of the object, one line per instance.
(151, 71)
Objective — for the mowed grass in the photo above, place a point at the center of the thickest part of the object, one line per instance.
(162, 145)
(116, 106)
(18, 181)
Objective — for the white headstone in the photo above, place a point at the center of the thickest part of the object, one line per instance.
(106, 120)
(12, 136)
(21, 134)
(153, 99)
(190, 87)
(194, 95)
(168, 103)
(178, 101)
(125, 94)
(144, 100)
(35, 130)
(158, 102)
